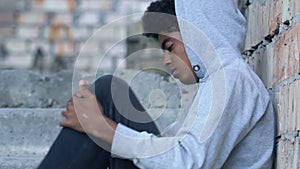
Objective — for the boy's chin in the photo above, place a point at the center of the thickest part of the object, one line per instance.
(187, 81)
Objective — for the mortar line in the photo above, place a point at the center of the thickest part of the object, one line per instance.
(268, 39)
(286, 82)
(288, 137)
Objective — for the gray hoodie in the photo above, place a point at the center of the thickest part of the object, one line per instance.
(231, 122)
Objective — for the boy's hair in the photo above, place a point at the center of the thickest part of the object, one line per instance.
(160, 16)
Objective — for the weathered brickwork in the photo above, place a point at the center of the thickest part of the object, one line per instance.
(282, 109)
(288, 154)
(264, 16)
(286, 54)
(59, 23)
(273, 51)
(267, 16)
(278, 60)
(287, 106)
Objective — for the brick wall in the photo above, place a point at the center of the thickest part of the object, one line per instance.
(61, 27)
(273, 51)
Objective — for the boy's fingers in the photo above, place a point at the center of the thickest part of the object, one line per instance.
(83, 89)
(65, 123)
(84, 84)
(70, 101)
(65, 114)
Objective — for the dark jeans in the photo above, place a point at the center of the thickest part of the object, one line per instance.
(74, 150)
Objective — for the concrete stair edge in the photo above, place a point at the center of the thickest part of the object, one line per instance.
(29, 133)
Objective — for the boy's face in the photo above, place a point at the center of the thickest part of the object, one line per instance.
(175, 57)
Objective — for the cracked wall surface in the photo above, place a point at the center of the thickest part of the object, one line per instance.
(272, 49)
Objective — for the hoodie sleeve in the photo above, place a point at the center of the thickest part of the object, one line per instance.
(236, 124)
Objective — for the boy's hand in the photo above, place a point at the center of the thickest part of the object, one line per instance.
(85, 114)
(71, 120)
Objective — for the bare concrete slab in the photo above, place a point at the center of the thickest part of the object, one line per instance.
(28, 132)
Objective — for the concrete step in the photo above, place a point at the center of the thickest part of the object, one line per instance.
(27, 134)
(19, 162)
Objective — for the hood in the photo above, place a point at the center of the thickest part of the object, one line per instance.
(213, 32)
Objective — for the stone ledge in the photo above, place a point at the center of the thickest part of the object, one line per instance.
(27, 89)
(19, 162)
(30, 132)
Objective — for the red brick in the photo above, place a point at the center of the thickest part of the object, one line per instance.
(263, 19)
(292, 153)
(6, 18)
(296, 8)
(17, 46)
(282, 110)
(22, 60)
(257, 25)
(291, 114)
(97, 5)
(62, 18)
(255, 62)
(65, 48)
(261, 63)
(43, 44)
(58, 32)
(288, 108)
(53, 5)
(291, 9)
(26, 32)
(267, 66)
(280, 63)
(36, 5)
(112, 17)
(286, 54)
(32, 18)
(287, 154)
(297, 103)
(90, 48)
(6, 32)
(296, 163)
(274, 10)
(279, 161)
(45, 32)
(75, 33)
(89, 18)
(113, 33)
(80, 33)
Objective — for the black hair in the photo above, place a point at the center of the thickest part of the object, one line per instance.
(160, 16)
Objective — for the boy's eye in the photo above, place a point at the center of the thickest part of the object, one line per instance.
(170, 48)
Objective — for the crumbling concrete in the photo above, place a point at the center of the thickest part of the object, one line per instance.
(26, 89)
(31, 107)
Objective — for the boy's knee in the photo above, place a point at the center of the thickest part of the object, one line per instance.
(110, 81)
(105, 85)
(104, 80)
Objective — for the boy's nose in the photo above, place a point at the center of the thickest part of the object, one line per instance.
(167, 58)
